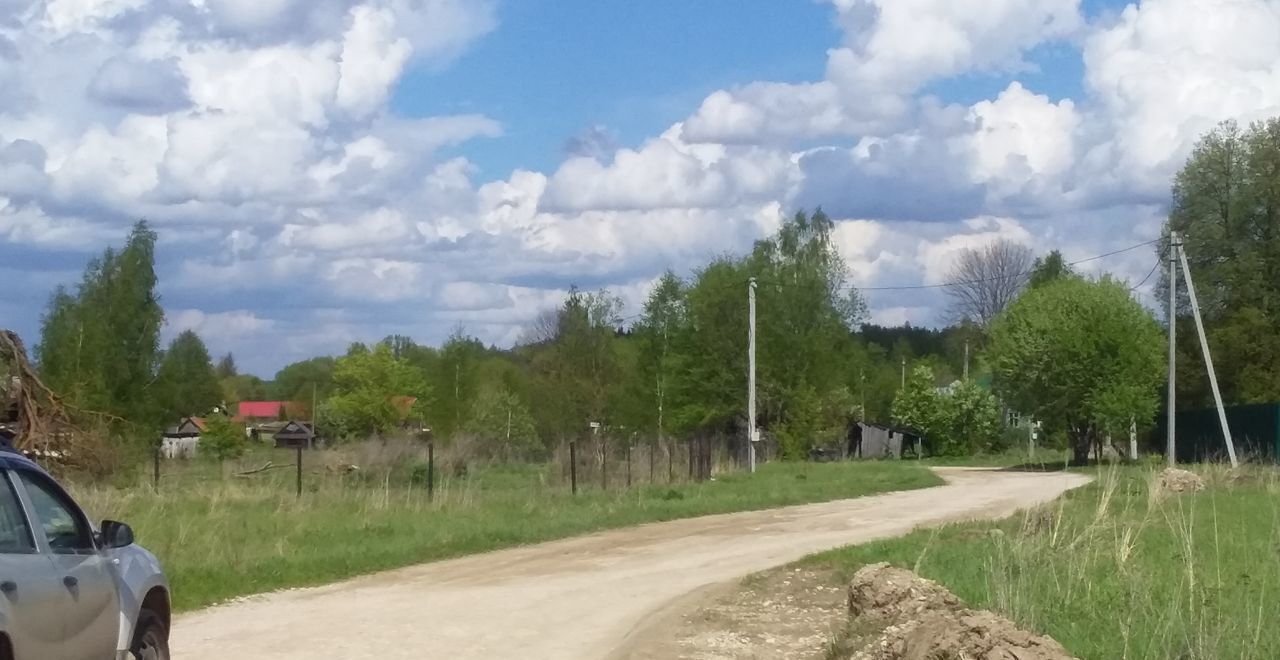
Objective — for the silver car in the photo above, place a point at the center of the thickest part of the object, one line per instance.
(69, 591)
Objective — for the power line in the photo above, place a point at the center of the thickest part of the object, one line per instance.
(1144, 280)
(920, 287)
(1002, 277)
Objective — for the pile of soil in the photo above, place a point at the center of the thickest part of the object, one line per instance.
(1173, 480)
(910, 618)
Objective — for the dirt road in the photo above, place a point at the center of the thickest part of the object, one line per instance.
(581, 598)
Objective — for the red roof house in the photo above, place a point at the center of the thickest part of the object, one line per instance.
(253, 410)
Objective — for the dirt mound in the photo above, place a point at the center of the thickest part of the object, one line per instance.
(919, 619)
(1173, 480)
(886, 594)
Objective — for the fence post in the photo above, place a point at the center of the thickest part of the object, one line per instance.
(628, 464)
(573, 466)
(431, 470)
(653, 449)
(299, 469)
(671, 460)
(604, 463)
(691, 454)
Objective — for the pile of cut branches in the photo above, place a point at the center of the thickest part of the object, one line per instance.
(47, 427)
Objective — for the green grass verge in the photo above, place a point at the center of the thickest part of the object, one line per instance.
(223, 537)
(1115, 570)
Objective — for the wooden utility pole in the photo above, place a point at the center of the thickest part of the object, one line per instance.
(751, 376)
(1208, 359)
(1170, 446)
(312, 440)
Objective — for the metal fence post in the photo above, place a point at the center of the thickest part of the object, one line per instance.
(155, 468)
(573, 466)
(653, 449)
(628, 465)
(299, 470)
(604, 463)
(431, 470)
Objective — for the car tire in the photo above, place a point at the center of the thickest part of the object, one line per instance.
(150, 638)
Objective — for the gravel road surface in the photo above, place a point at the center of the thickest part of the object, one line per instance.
(583, 598)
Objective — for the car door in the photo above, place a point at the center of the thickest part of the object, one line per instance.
(30, 593)
(90, 603)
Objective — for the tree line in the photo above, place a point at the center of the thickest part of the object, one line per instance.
(1079, 354)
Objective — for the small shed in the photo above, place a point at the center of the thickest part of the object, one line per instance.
(870, 440)
(182, 439)
(188, 427)
(295, 434)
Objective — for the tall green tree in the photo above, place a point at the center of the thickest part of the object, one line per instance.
(807, 312)
(918, 405)
(366, 384)
(663, 319)
(709, 387)
(806, 308)
(1049, 268)
(579, 368)
(503, 425)
(1078, 355)
(186, 383)
(244, 387)
(300, 381)
(226, 367)
(101, 345)
(454, 379)
(1226, 208)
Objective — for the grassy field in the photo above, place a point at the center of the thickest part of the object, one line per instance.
(1118, 570)
(221, 536)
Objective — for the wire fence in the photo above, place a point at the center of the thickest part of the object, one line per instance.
(592, 464)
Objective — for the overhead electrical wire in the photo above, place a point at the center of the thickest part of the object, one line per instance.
(1005, 277)
(917, 287)
(1144, 280)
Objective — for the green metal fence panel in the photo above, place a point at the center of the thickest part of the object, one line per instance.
(1255, 429)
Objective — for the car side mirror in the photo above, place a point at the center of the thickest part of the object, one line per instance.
(116, 534)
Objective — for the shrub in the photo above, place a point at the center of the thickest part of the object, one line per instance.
(964, 421)
(222, 439)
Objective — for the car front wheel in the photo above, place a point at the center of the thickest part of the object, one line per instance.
(151, 641)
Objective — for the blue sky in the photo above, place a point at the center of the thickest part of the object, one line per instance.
(554, 69)
(327, 171)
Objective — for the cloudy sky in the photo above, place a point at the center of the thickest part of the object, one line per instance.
(322, 171)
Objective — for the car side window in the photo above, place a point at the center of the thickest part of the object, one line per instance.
(66, 531)
(15, 535)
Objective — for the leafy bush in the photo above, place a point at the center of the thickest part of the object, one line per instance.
(963, 421)
(815, 421)
(222, 439)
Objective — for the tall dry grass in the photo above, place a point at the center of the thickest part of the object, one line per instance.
(1122, 569)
